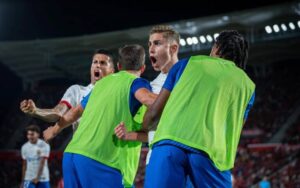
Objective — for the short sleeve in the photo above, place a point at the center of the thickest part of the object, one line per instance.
(23, 153)
(140, 83)
(249, 106)
(45, 150)
(174, 74)
(70, 96)
(85, 100)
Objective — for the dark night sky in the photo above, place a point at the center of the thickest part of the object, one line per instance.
(25, 20)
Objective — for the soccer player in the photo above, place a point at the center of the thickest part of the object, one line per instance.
(35, 152)
(102, 65)
(95, 157)
(199, 115)
(163, 52)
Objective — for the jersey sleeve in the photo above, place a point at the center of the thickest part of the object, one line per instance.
(249, 106)
(71, 95)
(137, 84)
(45, 150)
(140, 83)
(23, 153)
(85, 100)
(174, 74)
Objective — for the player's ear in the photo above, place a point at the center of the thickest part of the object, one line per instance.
(143, 68)
(174, 48)
(119, 66)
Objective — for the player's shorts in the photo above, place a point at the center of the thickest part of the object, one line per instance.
(29, 184)
(170, 166)
(80, 171)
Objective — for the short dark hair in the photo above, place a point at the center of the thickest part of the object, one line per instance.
(132, 57)
(33, 128)
(232, 46)
(107, 53)
(168, 32)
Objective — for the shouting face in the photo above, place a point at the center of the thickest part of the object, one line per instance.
(101, 66)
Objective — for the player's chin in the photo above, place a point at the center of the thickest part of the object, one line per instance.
(97, 78)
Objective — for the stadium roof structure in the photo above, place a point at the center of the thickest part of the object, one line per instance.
(38, 60)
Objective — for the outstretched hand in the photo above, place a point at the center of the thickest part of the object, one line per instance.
(28, 107)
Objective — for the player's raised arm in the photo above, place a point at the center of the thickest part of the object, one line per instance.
(70, 117)
(49, 115)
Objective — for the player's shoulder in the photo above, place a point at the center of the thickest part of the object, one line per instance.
(74, 87)
(141, 79)
(25, 145)
(141, 82)
(182, 62)
(41, 143)
(79, 88)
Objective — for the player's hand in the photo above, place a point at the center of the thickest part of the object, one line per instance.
(35, 180)
(50, 133)
(121, 131)
(28, 107)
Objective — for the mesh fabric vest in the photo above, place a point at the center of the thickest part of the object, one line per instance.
(108, 105)
(206, 108)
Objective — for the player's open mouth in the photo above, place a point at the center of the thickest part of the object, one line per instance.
(153, 60)
(97, 74)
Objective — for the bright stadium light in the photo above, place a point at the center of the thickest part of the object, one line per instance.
(209, 38)
(189, 41)
(216, 36)
(182, 42)
(292, 26)
(276, 28)
(195, 40)
(268, 29)
(283, 27)
(298, 23)
(202, 39)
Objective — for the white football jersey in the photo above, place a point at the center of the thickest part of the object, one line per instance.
(156, 85)
(33, 153)
(73, 97)
(158, 82)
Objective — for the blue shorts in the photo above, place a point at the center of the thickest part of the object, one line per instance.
(29, 184)
(170, 166)
(80, 171)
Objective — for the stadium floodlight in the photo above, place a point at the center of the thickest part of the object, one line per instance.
(202, 39)
(195, 40)
(209, 38)
(283, 27)
(216, 35)
(268, 29)
(276, 28)
(298, 23)
(292, 26)
(189, 41)
(182, 42)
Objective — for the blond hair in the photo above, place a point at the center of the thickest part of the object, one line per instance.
(168, 32)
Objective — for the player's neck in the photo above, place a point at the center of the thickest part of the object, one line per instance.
(33, 142)
(136, 73)
(169, 65)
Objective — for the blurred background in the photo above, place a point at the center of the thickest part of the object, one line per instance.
(47, 46)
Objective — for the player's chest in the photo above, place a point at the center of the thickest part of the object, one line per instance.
(33, 153)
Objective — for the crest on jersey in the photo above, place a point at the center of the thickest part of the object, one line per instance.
(38, 152)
